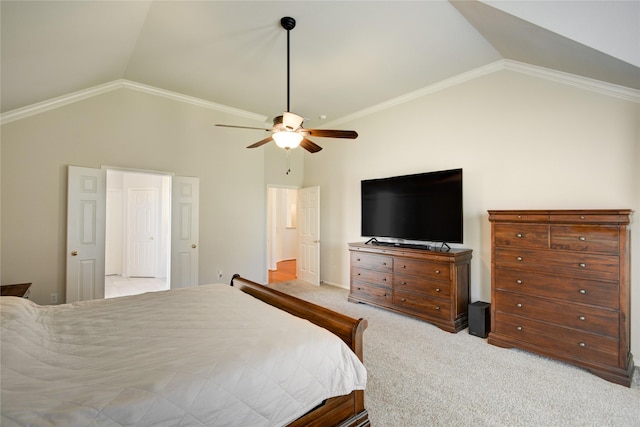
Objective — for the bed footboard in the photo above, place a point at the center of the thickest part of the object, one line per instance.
(344, 411)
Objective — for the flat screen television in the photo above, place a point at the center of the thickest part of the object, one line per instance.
(426, 207)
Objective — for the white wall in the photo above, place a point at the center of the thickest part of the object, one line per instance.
(129, 129)
(523, 142)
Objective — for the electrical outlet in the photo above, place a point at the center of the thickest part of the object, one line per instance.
(53, 298)
(219, 274)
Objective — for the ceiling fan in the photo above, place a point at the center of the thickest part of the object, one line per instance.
(287, 130)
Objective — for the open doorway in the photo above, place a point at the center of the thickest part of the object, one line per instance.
(282, 235)
(138, 232)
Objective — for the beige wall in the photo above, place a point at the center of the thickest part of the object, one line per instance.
(130, 129)
(523, 142)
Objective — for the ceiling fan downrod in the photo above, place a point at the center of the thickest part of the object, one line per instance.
(288, 23)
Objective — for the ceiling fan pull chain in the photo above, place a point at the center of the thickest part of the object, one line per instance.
(288, 161)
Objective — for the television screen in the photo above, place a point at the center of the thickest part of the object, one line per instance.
(424, 207)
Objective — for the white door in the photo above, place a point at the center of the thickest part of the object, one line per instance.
(86, 219)
(308, 263)
(114, 232)
(185, 208)
(143, 232)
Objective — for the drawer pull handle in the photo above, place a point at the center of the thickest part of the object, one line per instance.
(437, 271)
(581, 217)
(582, 318)
(519, 282)
(384, 263)
(582, 265)
(358, 259)
(519, 258)
(519, 328)
(437, 289)
(582, 239)
(519, 305)
(359, 274)
(403, 283)
(582, 344)
(437, 308)
(519, 216)
(403, 299)
(582, 291)
(519, 235)
(384, 279)
(385, 294)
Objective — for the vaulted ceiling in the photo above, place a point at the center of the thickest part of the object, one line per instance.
(346, 56)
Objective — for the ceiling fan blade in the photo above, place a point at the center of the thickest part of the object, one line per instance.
(261, 142)
(328, 133)
(310, 146)
(241, 127)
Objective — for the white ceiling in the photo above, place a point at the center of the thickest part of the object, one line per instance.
(346, 56)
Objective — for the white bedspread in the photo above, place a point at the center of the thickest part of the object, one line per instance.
(210, 355)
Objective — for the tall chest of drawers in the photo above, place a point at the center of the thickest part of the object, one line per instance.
(428, 285)
(560, 287)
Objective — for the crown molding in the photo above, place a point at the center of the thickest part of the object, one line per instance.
(585, 83)
(60, 101)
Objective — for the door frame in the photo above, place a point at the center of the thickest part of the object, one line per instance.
(163, 204)
(271, 221)
(75, 289)
(271, 224)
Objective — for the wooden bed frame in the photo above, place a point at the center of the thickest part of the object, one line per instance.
(343, 411)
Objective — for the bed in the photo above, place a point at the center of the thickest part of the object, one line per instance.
(212, 355)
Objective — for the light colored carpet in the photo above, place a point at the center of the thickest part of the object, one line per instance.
(419, 375)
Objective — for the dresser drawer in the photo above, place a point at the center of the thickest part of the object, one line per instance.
(522, 235)
(372, 262)
(421, 286)
(378, 278)
(559, 340)
(602, 294)
(371, 293)
(519, 217)
(426, 269)
(592, 217)
(421, 305)
(577, 316)
(574, 264)
(585, 238)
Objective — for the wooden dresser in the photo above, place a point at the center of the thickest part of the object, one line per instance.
(428, 285)
(560, 285)
(17, 290)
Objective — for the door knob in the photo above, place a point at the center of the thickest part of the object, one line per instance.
(74, 253)
(193, 246)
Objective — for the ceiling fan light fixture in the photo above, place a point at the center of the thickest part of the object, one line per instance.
(287, 139)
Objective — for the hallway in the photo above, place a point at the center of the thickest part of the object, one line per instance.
(285, 270)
